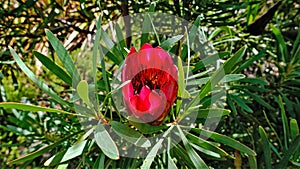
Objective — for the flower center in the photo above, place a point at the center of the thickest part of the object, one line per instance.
(152, 77)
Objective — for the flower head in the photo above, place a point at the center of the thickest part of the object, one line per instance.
(153, 87)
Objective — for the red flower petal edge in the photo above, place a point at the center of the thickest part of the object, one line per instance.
(153, 87)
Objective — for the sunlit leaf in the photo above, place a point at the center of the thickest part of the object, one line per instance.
(105, 142)
(130, 134)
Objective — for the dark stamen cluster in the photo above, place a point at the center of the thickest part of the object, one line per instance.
(153, 78)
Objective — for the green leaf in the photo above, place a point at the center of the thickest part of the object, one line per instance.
(171, 164)
(108, 45)
(294, 128)
(210, 59)
(145, 128)
(146, 28)
(130, 134)
(281, 43)
(225, 79)
(232, 77)
(83, 91)
(112, 56)
(296, 47)
(99, 164)
(284, 122)
(63, 166)
(192, 36)
(210, 153)
(54, 68)
(72, 152)
(152, 7)
(257, 81)
(167, 44)
(34, 108)
(252, 162)
(105, 142)
(41, 151)
(182, 156)
(150, 157)
(94, 65)
(228, 66)
(241, 103)
(207, 145)
(181, 82)
(64, 57)
(104, 75)
(217, 76)
(121, 40)
(265, 147)
(32, 77)
(196, 159)
(212, 113)
(294, 148)
(225, 140)
(217, 31)
(250, 61)
(259, 100)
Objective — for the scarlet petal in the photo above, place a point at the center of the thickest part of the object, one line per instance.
(158, 104)
(140, 106)
(143, 59)
(130, 55)
(146, 46)
(164, 57)
(173, 72)
(132, 50)
(124, 74)
(144, 93)
(170, 89)
(127, 91)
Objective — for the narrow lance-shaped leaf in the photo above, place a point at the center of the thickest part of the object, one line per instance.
(252, 162)
(196, 159)
(54, 68)
(147, 25)
(192, 35)
(294, 148)
(64, 57)
(171, 164)
(72, 152)
(121, 40)
(181, 82)
(42, 150)
(217, 76)
(151, 155)
(266, 147)
(169, 42)
(95, 60)
(130, 134)
(225, 140)
(106, 143)
(281, 43)
(284, 122)
(207, 145)
(32, 77)
(34, 108)
(294, 128)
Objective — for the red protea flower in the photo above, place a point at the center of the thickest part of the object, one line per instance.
(153, 87)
